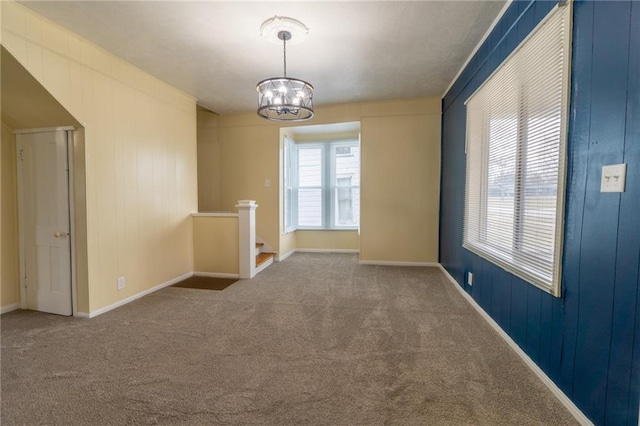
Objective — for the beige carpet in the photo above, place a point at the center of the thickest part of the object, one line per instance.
(314, 340)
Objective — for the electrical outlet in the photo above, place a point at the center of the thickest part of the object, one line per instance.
(470, 278)
(120, 282)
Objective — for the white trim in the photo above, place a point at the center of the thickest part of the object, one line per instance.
(215, 275)
(43, 130)
(264, 265)
(394, 263)
(564, 399)
(319, 250)
(482, 40)
(309, 250)
(134, 297)
(21, 242)
(284, 256)
(246, 238)
(214, 214)
(71, 135)
(9, 308)
(342, 228)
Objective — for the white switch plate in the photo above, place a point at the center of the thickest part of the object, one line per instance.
(267, 183)
(470, 278)
(613, 178)
(120, 282)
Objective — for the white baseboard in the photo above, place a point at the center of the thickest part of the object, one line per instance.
(9, 308)
(308, 250)
(312, 250)
(394, 263)
(564, 399)
(134, 297)
(284, 256)
(215, 275)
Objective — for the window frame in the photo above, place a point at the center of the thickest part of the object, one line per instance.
(288, 185)
(517, 259)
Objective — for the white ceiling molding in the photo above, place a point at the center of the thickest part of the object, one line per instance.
(475, 49)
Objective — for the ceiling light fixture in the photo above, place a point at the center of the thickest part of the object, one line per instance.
(284, 98)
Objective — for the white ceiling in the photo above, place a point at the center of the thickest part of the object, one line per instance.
(355, 51)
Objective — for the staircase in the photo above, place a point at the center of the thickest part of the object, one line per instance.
(263, 259)
(213, 228)
(252, 255)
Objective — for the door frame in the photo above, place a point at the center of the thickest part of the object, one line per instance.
(71, 197)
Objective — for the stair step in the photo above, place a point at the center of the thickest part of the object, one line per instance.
(258, 245)
(263, 257)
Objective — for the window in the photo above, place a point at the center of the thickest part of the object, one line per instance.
(321, 185)
(516, 148)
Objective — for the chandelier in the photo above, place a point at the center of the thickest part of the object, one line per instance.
(284, 98)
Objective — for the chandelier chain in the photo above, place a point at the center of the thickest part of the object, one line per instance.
(284, 49)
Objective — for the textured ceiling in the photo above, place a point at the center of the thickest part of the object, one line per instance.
(354, 52)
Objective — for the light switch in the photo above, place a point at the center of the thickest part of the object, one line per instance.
(613, 178)
(267, 183)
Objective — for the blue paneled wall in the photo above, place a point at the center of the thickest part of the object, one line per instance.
(588, 341)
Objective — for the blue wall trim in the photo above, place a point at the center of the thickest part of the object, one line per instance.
(585, 341)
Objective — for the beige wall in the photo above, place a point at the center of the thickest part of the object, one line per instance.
(215, 245)
(400, 176)
(80, 221)
(9, 267)
(139, 151)
(249, 156)
(288, 243)
(400, 188)
(328, 240)
(209, 164)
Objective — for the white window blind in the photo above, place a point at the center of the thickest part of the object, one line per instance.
(516, 148)
(310, 193)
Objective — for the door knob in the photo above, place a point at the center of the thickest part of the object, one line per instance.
(60, 234)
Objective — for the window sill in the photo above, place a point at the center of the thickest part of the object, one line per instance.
(327, 229)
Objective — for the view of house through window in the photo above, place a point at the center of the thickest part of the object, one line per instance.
(321, 185)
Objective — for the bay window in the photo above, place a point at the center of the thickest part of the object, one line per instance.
(321, 185)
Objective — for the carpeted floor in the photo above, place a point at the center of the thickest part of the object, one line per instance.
(314, 340)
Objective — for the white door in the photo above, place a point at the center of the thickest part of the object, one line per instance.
(43, 191)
